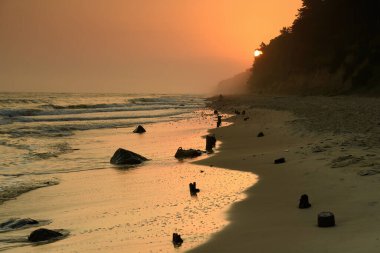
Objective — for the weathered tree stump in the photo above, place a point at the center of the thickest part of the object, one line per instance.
(279, 160)
(210, 142)
(219, 122)
(193, 189)
(177, 240)
(261, 134)
(326, 219)
(139, 130)
(304, 202)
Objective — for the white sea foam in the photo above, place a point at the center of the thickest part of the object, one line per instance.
(39, 130)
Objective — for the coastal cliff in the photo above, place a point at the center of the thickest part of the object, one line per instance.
(332, 47)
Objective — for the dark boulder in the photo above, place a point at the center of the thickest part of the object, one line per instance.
(216, 112)
(304, 202)
(210, 142)
(177, 240)
(187, 153)
(261, 134)
(43, 234)
(193, 189)
(126, 157)
(326, 219)
(17, 223)
(139, 130)
(279, 160)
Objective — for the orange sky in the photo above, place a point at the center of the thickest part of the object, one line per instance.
(132, 45)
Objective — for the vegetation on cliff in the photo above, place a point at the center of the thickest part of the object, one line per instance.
(332, 47)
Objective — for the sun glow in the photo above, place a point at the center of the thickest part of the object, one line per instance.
(257, 53)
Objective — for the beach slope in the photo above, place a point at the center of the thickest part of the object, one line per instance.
(331, 151)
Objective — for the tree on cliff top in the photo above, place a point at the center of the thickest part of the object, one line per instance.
(332, 46)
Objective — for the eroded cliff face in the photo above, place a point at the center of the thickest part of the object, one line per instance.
(359, 78)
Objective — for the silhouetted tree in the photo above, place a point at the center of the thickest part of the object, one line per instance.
(338, 37)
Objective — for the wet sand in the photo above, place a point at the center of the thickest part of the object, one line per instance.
(331, 146)
(132, 209)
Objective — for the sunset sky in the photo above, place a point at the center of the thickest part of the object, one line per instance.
(132, 45)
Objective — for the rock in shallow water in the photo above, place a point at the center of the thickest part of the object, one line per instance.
(139, 130)
(17, 223)
(43, 234)
(126, 157)
(187, 153)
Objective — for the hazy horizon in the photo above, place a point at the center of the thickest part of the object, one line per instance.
(132, 46)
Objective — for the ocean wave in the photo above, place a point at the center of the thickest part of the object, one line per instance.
(67, 129)
(168, 100)
(98, 118)
(8, 101)
(19, 112)
(84, 106)
(15, 114)
(10, 189)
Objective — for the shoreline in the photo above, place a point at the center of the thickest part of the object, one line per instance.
(324, 160)
(137, 209)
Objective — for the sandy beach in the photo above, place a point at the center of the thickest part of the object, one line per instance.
(131, 209)
(331, 147)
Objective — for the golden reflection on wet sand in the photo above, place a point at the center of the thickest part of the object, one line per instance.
(136, 209)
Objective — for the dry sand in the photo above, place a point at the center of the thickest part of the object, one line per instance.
(331, 146)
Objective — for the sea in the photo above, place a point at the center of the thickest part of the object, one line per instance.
(62, 143)
(37, 129)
